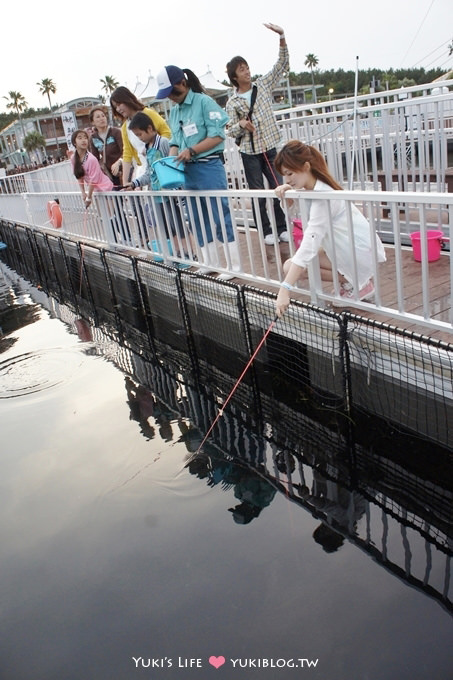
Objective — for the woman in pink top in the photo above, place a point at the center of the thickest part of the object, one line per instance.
(87, 169)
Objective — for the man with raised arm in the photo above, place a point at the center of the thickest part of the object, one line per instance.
(253, 125)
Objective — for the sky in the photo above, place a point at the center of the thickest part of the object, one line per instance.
(75, 49)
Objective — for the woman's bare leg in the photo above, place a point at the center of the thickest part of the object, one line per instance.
(325, 267)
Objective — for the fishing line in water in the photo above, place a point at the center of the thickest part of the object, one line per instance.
(236, 385)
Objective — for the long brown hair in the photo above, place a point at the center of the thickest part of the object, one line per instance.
(79, 172)
(294, 155)
(122, 95)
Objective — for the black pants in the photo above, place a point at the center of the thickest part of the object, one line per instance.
(256, 167)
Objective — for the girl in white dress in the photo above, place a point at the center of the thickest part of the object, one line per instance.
(303, 167)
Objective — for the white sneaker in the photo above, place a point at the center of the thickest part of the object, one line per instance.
(269, 239)
(205, 270)
(284, 236)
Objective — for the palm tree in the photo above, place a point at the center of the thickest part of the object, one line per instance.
(109, 84)
(47, 86)
(34, 140)
(16, 101)
(311, 60)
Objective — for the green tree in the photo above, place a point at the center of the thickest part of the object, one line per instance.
(48, 87)
(109, 84)
(311, 60)
(16, 102)
(34, 140)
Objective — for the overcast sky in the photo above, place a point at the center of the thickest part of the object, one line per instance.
(75, 49)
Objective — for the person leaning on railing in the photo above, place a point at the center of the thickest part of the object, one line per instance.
(87, 169)
(198, 136)
(304, 168)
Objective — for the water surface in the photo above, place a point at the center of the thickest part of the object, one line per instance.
(120, 561)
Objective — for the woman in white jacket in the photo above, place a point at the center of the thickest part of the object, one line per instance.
(303, 167)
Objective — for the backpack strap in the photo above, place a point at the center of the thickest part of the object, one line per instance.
(252, 104)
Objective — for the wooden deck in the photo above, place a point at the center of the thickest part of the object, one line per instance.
(439, 280)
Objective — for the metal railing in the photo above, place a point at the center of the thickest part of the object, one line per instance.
(397, 140)
(392, 140)
(125, 221)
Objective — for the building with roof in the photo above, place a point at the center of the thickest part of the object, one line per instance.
(56, 128)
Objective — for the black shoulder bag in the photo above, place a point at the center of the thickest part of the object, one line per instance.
(249, 117)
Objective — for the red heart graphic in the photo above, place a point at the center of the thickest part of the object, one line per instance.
(216, 661)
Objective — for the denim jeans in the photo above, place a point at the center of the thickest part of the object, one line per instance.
(201, 175)
(256, 167)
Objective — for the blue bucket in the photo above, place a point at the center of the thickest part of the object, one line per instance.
(169, 173)
(156, 247)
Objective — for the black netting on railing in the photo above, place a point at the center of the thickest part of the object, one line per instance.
(27, 255)
(11, 255)
(402, 375)
(217, 322)
(126, 293)
(49, 277)
(310, 421)
(61, 269)
(336, 368)
(162, 305)
(95, 273)
(74, 261)
(304, 360)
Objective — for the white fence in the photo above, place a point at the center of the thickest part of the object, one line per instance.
(122, 221)
(391, 148)
(396, 140)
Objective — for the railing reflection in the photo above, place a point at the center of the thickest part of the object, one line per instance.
(395, 509)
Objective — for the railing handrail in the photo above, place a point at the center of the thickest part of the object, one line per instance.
(390, 213)
(395, 94)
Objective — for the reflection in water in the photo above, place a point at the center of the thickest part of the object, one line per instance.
(141, 403)
(252, 491)
(128, 544)
(341, 508)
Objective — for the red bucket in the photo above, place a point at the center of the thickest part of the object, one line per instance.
(435, 240)
(298, 232)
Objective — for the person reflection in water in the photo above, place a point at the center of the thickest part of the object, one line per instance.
(83, 330)
(253, 492)
(141, 404)
(342, 508)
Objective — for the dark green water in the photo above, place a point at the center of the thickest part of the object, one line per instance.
(120, 561)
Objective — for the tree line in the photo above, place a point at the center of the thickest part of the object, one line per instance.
(342, 82)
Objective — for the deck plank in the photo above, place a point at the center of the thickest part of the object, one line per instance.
(439, 285)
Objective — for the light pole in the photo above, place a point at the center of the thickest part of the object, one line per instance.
(330, 93)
